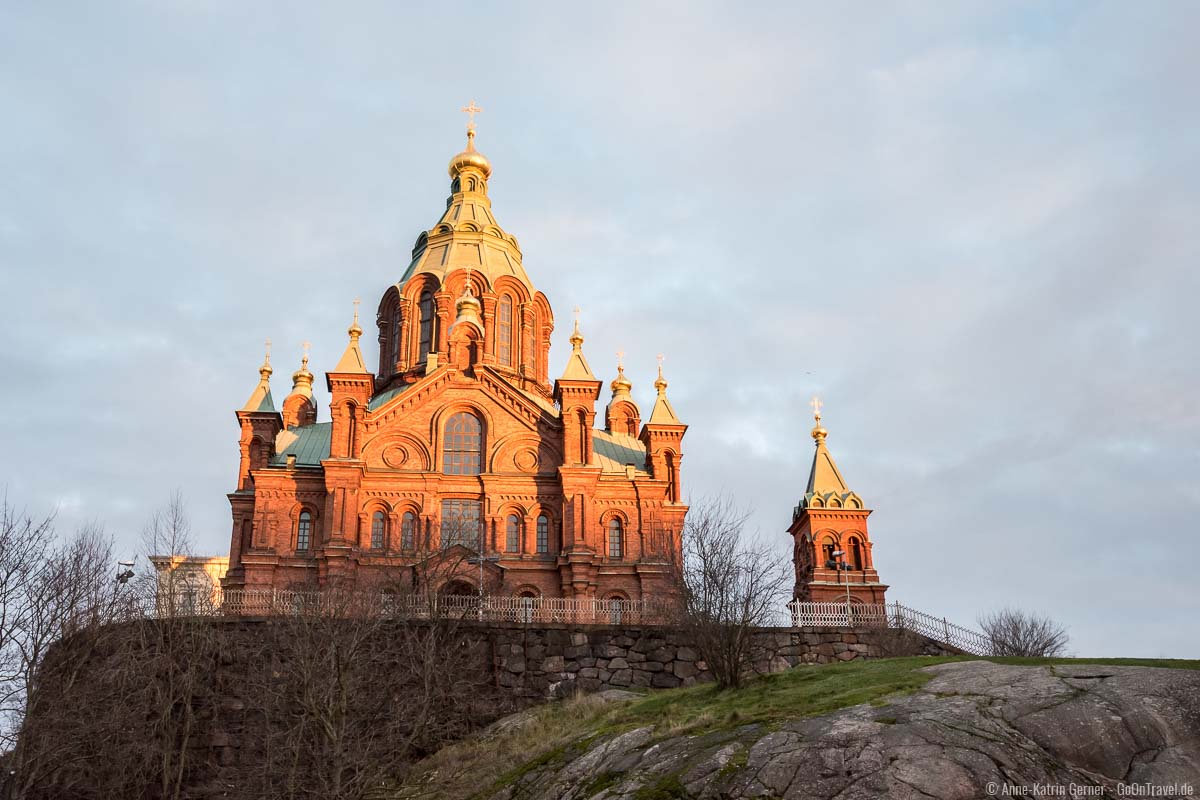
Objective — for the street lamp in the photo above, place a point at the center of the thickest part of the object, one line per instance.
(481, 559)
(842, 566)
(124, 572)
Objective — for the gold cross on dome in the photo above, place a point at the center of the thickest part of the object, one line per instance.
(660, 361)
(471, 110)
(267, 344)
(356, 302)
(577, 310)
(816, 405)
(306, 345)
(620, 359)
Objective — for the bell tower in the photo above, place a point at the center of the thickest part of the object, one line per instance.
(832, 551)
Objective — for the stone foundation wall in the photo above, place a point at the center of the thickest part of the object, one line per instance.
(559, 660)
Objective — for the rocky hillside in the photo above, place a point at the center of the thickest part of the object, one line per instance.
(954, 729)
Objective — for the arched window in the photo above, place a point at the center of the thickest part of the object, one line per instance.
(461, 445)
(504, 330)
(616, 543)
(425, 337)
(377, 526)
(543, 534)
(828, 547)
(856, 559)
(394, 344)
(408, 531)
(512, 534)
(672, 479)
(304, 531)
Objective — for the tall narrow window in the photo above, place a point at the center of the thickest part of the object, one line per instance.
(304, 531)
(425, 337)
(461, 445)
(408, 531)
(377, 525)
(394, 344)
(460, 523)
(856, 559)
(512, 534)
(504, 330)
(543, 534)
(828, 547)
(616, 543)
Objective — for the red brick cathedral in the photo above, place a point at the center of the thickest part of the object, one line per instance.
(832, 551)
(460, 442)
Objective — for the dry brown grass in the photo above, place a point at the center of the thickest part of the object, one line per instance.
(462, 770)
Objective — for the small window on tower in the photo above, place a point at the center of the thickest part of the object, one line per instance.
(504, 337)
(828, 547)
(425, 335)
(543, 534)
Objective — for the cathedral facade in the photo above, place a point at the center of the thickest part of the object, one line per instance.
(458, 445)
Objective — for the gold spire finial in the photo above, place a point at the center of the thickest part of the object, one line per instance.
(302, 379)
(467, 288)
(818, 432)
(355, 330)
(620, 361)
(265, 370)
(661, 383)
(307, 345)
(576, 336)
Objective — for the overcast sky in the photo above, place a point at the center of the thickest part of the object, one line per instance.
(972, 229)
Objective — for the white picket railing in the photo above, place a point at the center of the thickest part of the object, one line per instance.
(570, 610)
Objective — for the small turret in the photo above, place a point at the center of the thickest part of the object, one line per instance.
(576, 392)
(622, 414)
(663, 437)
(350, 386)
(299, 408)
(260, 423)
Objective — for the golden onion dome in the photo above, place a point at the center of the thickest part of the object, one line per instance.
(470, 158)
(621, 384)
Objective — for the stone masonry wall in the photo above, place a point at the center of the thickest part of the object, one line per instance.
(556, 661)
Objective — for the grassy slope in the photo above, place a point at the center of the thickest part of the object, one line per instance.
(473, 767)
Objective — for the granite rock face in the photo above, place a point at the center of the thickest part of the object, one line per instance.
(974, 729)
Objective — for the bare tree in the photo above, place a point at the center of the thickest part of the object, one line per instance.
(49, 591)
(350, 697)
(727, 587)
(1014, 632)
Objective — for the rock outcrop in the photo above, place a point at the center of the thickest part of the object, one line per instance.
(973, 730)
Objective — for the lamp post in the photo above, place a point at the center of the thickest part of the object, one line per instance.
(482, 558)
(842, 567)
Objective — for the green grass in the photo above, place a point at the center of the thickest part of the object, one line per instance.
(800, 692)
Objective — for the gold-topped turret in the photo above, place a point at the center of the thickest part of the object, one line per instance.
(621, 386)
(260, 398)
(663, 413)
(577, 366)
(470, 157)
(352, 358)
(302, 379)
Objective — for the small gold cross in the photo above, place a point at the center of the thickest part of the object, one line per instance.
(268, 346)
(620, 359)
(816, 405)
(471, 110)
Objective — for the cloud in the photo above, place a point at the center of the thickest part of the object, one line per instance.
(969, 229)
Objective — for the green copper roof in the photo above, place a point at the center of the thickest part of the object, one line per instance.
(309, 443)
(614, 451)
(381, 398)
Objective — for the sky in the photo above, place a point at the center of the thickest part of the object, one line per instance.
(970, 228)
